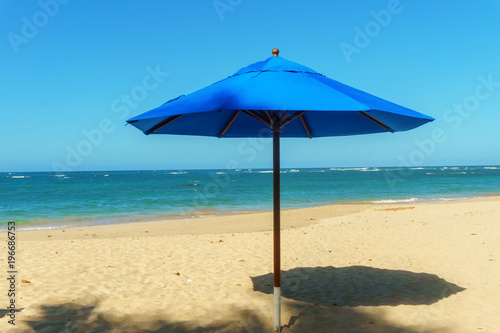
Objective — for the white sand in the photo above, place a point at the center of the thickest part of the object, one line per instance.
(352, 268)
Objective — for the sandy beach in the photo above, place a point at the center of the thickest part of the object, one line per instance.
(432, 267)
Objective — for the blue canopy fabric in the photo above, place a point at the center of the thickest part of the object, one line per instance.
(276, 84)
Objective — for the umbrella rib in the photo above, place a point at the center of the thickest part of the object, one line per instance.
(163, 123)
(292, 117)
(264, 116)
(262, 113)
(376, 121)
(283, 117)
(257, 116)
(305, 126)
(270, 117)
(229, 123)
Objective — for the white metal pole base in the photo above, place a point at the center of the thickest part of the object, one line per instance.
(277, 309)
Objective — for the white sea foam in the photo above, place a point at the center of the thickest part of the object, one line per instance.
(19, 176)
(395, 201)
(355, 169)
(347, 169)
(420, 200)
(450, 198)
(49, 227)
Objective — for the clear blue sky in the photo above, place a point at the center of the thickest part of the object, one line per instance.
(72, 71)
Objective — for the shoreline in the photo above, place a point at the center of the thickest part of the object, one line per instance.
(70, 223)
(224, 223)
(49, 201)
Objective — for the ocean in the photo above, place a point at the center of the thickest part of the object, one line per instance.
(39, 200)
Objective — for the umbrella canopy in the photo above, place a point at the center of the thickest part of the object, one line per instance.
(242, 105)
(287, 99)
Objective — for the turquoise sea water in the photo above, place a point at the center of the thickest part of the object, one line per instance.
(48, 199)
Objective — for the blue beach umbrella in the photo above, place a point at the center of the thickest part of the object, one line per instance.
(283, 98)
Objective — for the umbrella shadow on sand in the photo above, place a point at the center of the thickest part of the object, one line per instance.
(358, 286)
(328, 296)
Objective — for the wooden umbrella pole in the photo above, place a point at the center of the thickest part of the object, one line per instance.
(276, 229)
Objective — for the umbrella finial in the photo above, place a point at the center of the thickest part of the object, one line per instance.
(276, 52)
